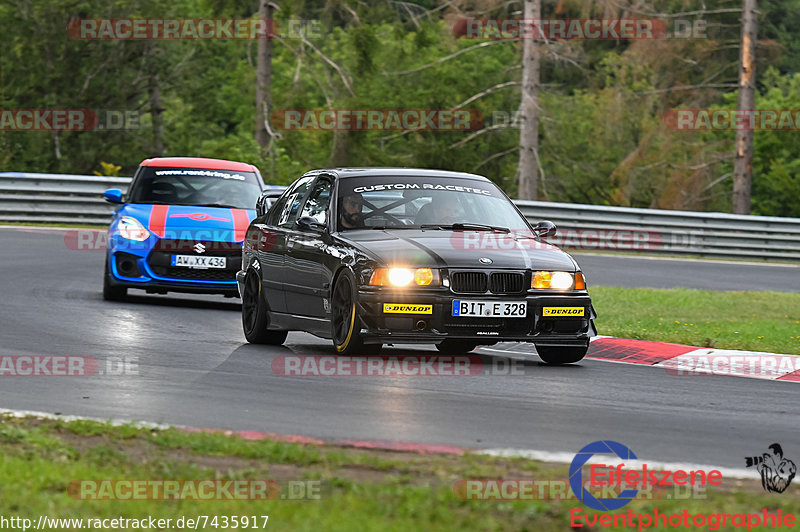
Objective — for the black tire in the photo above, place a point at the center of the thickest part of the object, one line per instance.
(561, 355)
(345, 320)
(254, 314)
(456, 347)
(110, 291)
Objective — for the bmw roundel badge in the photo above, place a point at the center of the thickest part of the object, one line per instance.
(485, 260)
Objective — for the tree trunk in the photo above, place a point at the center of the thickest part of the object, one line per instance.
(264, 74)
(156, 112)
(527, 171)
(743, 163)
(340, 150)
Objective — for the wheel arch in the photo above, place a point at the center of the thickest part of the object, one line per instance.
(254, 268)
(341, 270)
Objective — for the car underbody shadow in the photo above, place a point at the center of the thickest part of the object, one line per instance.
(182, 300)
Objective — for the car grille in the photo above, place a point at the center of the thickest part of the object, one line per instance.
(479, 282)
(211, 274)
(507, 283)
(184, 246)
(160, 259)
(469, 282)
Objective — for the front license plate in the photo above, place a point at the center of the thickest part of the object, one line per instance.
(192, 261)
(562, 311)
(490, 309)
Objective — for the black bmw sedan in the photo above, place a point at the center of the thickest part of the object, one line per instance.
(373, 256)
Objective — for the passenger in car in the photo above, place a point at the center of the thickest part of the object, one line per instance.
(443, 209)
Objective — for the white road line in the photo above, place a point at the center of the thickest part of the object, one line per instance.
(113, 422)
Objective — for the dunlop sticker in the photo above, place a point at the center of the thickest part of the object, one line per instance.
(405, 308)
(562, 311)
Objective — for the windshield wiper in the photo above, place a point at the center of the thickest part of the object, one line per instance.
(222, 205)
(466, 227)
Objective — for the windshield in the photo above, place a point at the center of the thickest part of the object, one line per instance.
(424, 202)
(196, 186)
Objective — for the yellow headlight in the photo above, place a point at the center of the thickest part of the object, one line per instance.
(540, 280)
(401, 277)
(423, 276)
(552, 280)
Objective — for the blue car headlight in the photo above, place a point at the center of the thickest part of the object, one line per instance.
(132, 229)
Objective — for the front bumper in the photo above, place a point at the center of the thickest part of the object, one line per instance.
(149, 269)
(380, 327)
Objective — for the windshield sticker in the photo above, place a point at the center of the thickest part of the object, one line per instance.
(418, 186)
(205, 173)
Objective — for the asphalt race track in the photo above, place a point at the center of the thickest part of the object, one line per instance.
(193, 367)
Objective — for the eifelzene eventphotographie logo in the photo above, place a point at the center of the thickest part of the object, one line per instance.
(776, 471)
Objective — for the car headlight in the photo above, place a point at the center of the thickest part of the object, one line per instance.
(402, 277)
(544, 280)
(132, 229)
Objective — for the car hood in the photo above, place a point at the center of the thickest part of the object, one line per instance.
(190, 222)
(458, 249)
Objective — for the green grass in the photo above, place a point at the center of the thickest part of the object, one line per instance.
(752, 321)
(359, 489)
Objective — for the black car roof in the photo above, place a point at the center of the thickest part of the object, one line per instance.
(344, 173)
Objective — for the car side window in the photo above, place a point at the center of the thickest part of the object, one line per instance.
(284, 212)
(317, 204)
(275, 210)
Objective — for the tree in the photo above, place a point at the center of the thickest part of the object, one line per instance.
(743, 163)
(528, 169)
(263, 134)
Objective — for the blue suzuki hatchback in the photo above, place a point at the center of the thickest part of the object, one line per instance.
(180, 227)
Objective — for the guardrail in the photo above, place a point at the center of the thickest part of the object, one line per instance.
(707, 234)
(56, 198)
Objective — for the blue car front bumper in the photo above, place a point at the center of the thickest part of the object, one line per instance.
(148, 265)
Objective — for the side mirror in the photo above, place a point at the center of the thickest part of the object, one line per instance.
(263, 204)
(544, 228)
(310, 223)
(113, 195)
